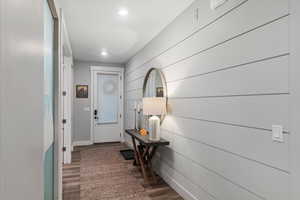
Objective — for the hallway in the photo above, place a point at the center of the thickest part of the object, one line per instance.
(205, 93)
(98, 172)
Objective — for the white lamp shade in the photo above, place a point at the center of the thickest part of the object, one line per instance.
(154, 106)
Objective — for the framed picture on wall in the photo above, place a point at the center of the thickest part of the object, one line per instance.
(159, 92)
(82, 91)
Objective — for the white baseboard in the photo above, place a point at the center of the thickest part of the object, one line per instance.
(129, 144)
(180, 189)
(177, 187)
(82, 143)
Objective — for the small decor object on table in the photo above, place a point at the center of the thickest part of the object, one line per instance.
(139, 110)
(143, 132)
(137, 115)
(82, 91)
(135, 108)
(154, 106)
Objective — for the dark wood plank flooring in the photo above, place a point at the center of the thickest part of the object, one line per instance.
(71, 178)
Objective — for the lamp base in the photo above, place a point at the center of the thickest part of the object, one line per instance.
(154, 128)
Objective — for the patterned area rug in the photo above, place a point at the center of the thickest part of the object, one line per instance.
(105, 175)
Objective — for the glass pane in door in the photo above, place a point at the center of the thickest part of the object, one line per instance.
(108, 98)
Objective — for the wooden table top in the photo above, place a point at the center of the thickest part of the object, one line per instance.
(145, 139)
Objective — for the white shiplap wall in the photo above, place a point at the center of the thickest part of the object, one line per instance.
(228, 83)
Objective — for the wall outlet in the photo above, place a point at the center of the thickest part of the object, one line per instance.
(214, 4)
(277, 133)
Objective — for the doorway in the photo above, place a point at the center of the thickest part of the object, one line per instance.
(106, 104)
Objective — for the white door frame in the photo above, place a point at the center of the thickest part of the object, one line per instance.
(105, 69)
(67, 108)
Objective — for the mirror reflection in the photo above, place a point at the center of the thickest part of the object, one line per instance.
(154, 85)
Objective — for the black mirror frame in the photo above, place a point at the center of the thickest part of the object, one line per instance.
(164, 83)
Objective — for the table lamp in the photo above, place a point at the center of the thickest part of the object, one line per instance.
(154, 106)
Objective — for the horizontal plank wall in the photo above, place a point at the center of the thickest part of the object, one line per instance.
(228, 83)
(295, 98)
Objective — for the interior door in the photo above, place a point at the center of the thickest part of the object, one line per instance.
(107, 106)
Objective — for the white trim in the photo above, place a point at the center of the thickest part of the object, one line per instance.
(105, 69)
(82, 143)
(67, 101)
(180, 189)
(128, 144)
(67, 44)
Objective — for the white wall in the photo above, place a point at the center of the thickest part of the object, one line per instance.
(81, 117)
(295, 98)
(21, 100)
(228, 83)
(1, 93)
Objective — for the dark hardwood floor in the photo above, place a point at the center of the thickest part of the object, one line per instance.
(98, 172)
(71, 178)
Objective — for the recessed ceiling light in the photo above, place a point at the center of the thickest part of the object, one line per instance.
(104, 53)
(123, 12)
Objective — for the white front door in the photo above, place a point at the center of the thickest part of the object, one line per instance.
(107, 104)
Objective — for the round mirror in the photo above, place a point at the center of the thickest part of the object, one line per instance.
(155, 86)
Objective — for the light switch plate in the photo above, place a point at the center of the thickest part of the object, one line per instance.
(214, 4)
(277, 133)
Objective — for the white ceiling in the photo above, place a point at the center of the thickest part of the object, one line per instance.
(94, 25)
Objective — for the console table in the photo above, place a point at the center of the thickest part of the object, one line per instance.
(145, 151)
